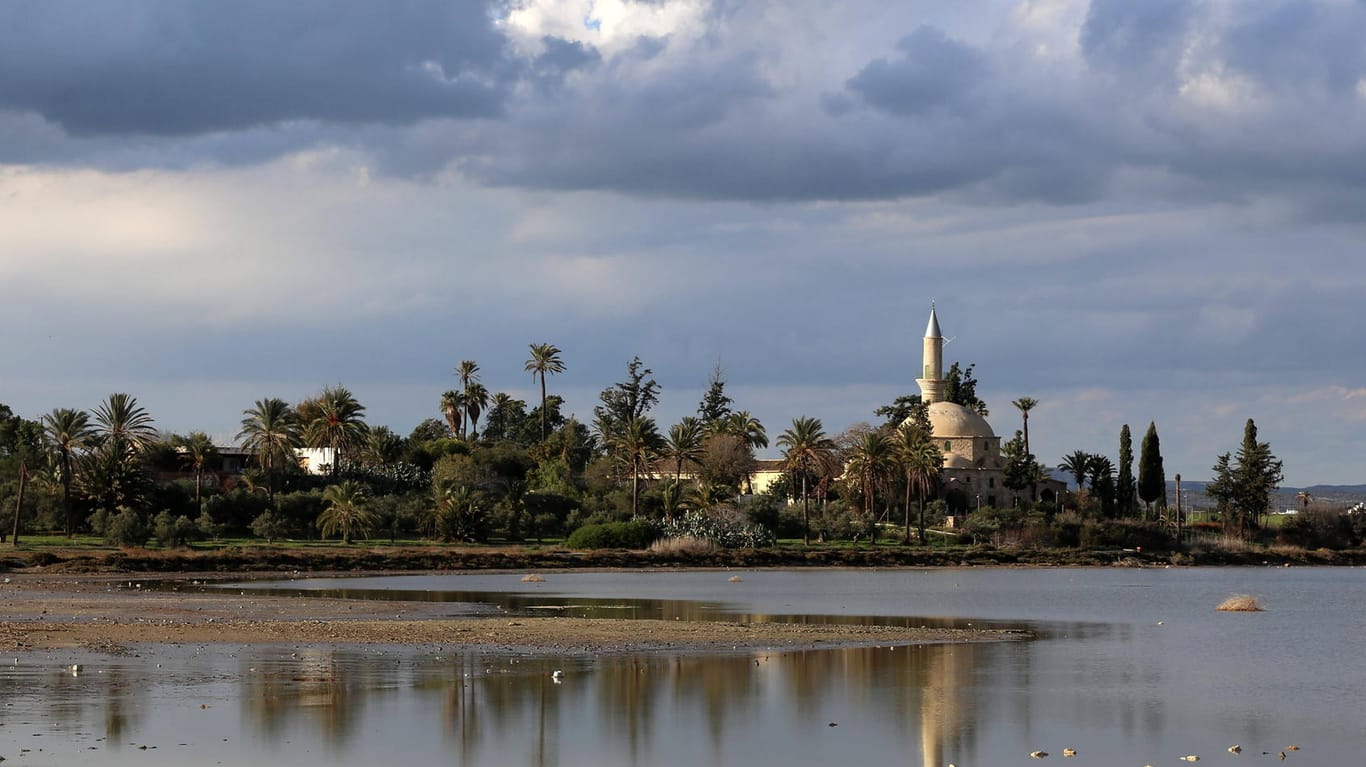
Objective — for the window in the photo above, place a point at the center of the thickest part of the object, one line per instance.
(991, 482)
(948, 446)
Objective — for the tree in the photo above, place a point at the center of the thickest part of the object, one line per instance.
(1243, 487)
(67, 431)
(1024, 405)
(1021, 470)
(922, 461)
(453, 410)
(270, 431)
(715, 405)
(121, 421)
(476, 401)
(506, 418)
(1078, 463)
(905, 408)
(745, 426)
(806, 450)
(870, 461)
(345, 512)
(625, 400)
(684, 444)
(1126, 491)
(338, 425)
(196, 449)
(1152, 479)
(960, 387)
(545, 360)
(1103, 484)
(476, 397)
(634, 447)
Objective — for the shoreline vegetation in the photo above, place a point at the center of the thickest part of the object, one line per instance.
(388, 558)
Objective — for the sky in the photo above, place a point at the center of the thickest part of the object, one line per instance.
(1130, 212)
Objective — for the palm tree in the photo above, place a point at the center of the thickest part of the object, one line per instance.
(635, 447)
(270, 431)
(1078, 463)
(382, 447)
(476, 401)
(453, 408)
(67, 432)
(921, 461)
(806, 449)
(196, 449)
(339, 425)
(869, 462)
(545, 359)
(684, 444)
(345, 512)
(1304, 497)
(468, 373)
(745, 426)
(924, 467)
(1024, 405)
(124, 423)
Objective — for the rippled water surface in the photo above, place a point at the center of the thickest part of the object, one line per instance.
(1132, 667)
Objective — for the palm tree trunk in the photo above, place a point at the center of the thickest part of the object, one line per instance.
(806, 514)
(635, 489)
(543, 406)
(19, 501)
(66, 499)
(922, 520)
(906, 516)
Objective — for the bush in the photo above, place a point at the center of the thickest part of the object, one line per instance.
(1317, 529)
(269, 526)
(724, 526)
(636, 534)
(173, 531)
(126, 528)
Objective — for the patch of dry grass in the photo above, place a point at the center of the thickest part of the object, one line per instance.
(683, 545)
(1240, 603)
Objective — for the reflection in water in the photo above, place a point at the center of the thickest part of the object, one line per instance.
(1127, 676)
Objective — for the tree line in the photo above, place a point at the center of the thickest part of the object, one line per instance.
(491, 466)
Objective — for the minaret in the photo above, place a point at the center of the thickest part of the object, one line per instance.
(932, 385)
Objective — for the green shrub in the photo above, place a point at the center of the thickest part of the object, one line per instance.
(1317, 529)
(636, 534)
(173, 531)
(269, 526)
(126, 528)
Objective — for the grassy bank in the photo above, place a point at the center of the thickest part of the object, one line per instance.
(80, 557)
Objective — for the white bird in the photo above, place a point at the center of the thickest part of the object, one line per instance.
(557, 675)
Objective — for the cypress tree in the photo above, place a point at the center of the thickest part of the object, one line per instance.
(1152, 480)
(1126, 494)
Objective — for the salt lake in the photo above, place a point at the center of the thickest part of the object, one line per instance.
(1129, 667)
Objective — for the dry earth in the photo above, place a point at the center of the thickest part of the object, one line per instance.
(111, 613)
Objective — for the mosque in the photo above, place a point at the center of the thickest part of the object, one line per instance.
(974, 469)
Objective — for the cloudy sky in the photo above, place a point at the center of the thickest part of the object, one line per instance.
(1130, 211)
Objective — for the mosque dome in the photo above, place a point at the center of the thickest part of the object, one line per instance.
(949, 420)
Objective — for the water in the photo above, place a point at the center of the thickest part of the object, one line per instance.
(1131, 667)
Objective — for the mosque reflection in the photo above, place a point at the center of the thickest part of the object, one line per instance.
(492, 705)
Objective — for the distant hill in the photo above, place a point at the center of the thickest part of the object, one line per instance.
(1284, 498)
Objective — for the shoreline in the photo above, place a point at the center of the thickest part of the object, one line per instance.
(246, 560)
(104, 614)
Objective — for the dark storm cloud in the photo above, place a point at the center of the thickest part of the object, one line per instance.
(178, 67)
(710, 117)
(1128, 39)
(1298, 45)
(932, 72)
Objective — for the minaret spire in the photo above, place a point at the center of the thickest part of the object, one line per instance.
(932, 384)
